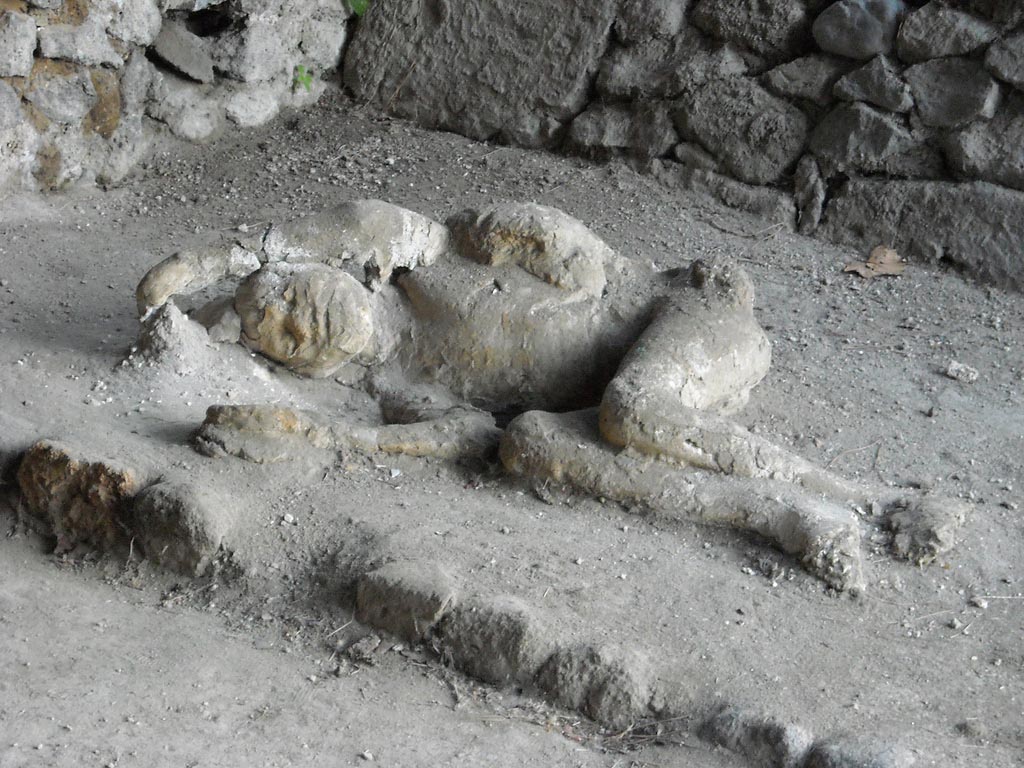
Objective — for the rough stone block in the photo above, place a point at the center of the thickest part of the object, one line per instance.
(63, 96)
(857, 138)
(755, 135)
(186, 52)
(879, 83)
(1005, 59)
(952, 92)
(136, 21)
(808, 194)
(405, 598)
(978, 226)
(86, 43)
(10, 107)
(938, 30)
(858, 755)
(608, 684)
(17, 44)
(78, 496)
(255, 53)
(180, 525)
(859, 29)
(652, 133)
(991, 150)
(481, 92)
(601, 127)
(773, 30)
(809, 77)
(641, 20)
(498, 640)
(189, 110)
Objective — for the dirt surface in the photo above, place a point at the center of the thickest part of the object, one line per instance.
(929, 658)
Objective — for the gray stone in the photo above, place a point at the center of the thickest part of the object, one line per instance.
(755, 135)
(251, 107)
(406, 598)
(879, 83)
(181, 525)
(664, 68)
(694, 156)
(771, 29)
(401, 57)
(601, 127)
(191, 111)
(809, 194)
(652, 133)
(845, 754)
(978, 226)
(762, 740)
(769, 204)
(809, 77)
(936, 30)
(858, 138)
(136, 21)
(952, 92)
(62, 98)
(641, 20)
(10, 107)
(323, 36)
(610, 685)
(86, 43)
(255, 53)
(46, 5)
(17, 44)
(498, 640)
(1006, 13)
(1005, 59)
(186, 52)
(991, 150)
(859, 29)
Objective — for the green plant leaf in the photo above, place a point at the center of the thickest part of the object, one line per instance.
(358, 6)
(304, 77)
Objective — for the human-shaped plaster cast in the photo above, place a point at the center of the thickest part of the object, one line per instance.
(618, 379)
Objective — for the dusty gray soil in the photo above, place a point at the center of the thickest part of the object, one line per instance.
(930, 658)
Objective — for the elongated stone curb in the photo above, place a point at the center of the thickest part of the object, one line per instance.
(405, 598)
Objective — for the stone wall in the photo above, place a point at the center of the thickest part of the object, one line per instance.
(86, 85)
(866, 121)
(869, 121)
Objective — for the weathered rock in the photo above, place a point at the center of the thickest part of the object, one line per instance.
(401, 57)
(762, 740)
(772, 29)
(601, 127)
(859, 29)
(251, 107)
(927, 221)
(255, 53)
(641, 20)
(757, 136)
(809, 77)
(86, 43)
(937, 30)
(952, 92)
(653, 132)
(1006, 14)
(608, 684)
(1005, 59)
(323, 35)
(848, 754)
(694, 173)
(544, 241)
(191, 271)
(664, 68)
(79, 497)
(991, 150)
(181, 525)
(406, 598)
(170, 340)
(10, 107)
(136, 21)
(187, 53)
(192, 112)
(809, 194)
(309, 317)
(879, 83)
(263, 434)
(17, 44)
(855, 137)
(498, 640)
(65, 97)
(220, 320)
